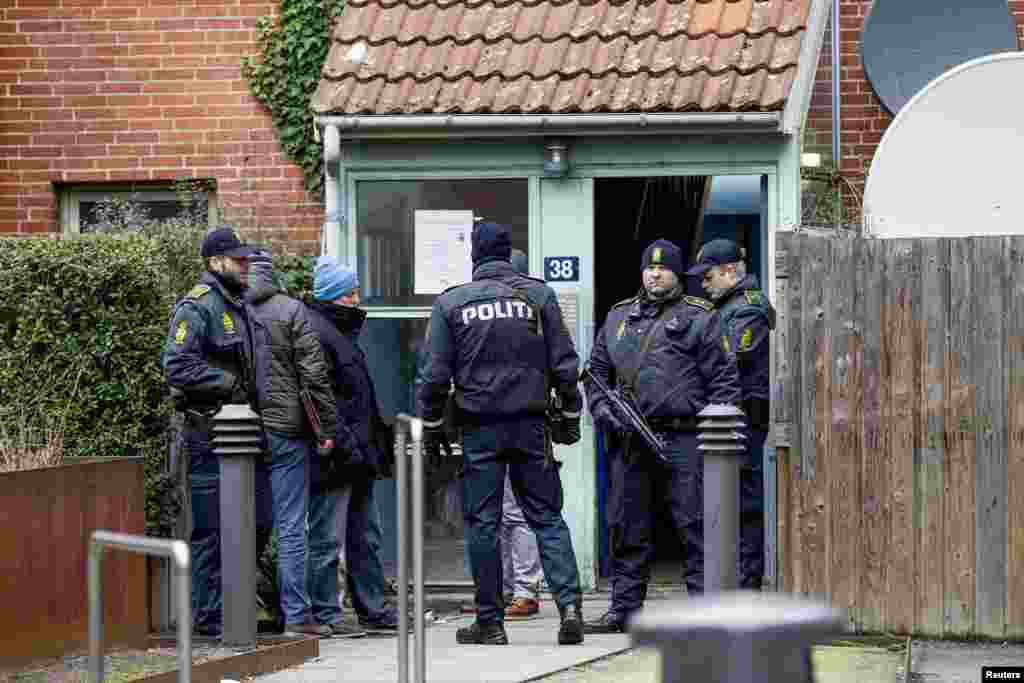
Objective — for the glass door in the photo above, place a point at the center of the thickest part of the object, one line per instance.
(392, 338)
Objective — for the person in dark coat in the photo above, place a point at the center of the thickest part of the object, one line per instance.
(298, 412)
(503, 342)
(747, 321)
(342, 483)
(208, 361)
(664, 348)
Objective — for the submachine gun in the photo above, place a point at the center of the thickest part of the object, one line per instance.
(625, 406)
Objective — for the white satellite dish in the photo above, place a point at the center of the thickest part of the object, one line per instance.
(949, 164)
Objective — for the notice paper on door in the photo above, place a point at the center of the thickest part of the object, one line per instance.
(442, 250)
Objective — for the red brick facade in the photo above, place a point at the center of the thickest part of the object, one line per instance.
(863, 118)
(117, 91)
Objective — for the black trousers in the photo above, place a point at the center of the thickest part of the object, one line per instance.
(751, 550)
(639, 484)
(517, 446)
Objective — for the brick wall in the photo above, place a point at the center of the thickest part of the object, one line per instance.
(134, 91)
(864, 120)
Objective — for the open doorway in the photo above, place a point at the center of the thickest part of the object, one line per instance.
(630, 213)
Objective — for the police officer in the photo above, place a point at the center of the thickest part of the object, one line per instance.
(665, 349)
(747, 320)
(502, 339)
(208, 361)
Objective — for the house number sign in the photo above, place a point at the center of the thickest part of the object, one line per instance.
(562, 268)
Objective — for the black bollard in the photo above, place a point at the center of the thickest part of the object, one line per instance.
(721, 438)
(237, 440)
(736, 637)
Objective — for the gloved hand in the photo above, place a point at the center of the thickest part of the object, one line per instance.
(239, 394)
(434, 439)
(347, 448)
(606, 419)
(566, 430)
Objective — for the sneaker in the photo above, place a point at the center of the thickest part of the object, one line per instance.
(386, 622)
(570, 631)
(609, 622)
(344, 629)
(522, 608)
(207, 630)
(310, 628)
(482, 634)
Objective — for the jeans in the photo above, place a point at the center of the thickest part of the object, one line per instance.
(204, 541)
(365, 573)
(515, 446)
(289, 485)
(327, 510)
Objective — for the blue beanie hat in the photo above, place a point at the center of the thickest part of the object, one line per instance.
(664, 253)
(491, 242)
(332, 280)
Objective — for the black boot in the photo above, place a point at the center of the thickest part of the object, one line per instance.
(609, 622)
(482, 634)
(571, 630)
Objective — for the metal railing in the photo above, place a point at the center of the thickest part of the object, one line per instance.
(403, 463)
(178, 551)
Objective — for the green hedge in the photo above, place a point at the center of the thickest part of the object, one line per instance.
(83, 323)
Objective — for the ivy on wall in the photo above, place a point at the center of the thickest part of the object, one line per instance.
(285, 74)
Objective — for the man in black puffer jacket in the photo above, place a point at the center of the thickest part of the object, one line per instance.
(295, 403)
(342, 502)
(503, 342)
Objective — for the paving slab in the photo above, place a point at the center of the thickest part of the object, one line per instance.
(939, 661)
(532, 653)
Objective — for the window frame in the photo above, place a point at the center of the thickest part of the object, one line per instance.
(70, 199)
(351, 229)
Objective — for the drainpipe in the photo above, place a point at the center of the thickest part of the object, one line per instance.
(330, 242)
(837, 73)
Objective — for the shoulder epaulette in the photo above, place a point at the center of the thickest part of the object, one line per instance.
(699, 303)
(198, 292)
(753, 296)
(624, 302)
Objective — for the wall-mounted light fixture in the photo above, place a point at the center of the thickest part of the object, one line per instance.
(556, 158)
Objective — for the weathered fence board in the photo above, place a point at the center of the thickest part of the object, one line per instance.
(874, 458)
(901, 343)
(903, 362)
(989, 266)
(961, 417)
(817, 359)
(929, 495)
(843, 468)
(1015, 442)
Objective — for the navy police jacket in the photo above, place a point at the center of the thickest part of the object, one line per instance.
(674, 372)
(747, 321)
(503, 341)
(208, 346)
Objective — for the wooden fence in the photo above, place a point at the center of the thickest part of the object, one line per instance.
(46, 518)
(899, 408)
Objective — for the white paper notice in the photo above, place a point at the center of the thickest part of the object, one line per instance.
(442, 250)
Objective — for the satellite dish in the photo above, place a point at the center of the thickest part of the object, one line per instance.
(907, 43)
(949, 164)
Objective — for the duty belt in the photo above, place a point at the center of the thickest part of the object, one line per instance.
(673, 424)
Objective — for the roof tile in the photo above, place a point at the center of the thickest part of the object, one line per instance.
(481, 56)
(735, 17)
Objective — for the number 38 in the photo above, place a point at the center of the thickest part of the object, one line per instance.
(561, 269)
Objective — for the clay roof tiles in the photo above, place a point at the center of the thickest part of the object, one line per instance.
(561, 56)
